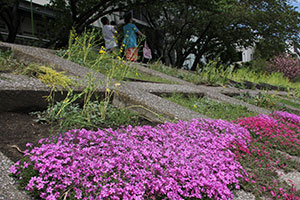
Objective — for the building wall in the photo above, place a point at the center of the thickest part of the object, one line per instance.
(247, 54)
(40, 2)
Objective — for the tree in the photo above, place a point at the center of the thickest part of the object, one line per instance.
(79, 14)
(210, 28)
(10, 15)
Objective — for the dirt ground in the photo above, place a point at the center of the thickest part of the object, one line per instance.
(18, 129)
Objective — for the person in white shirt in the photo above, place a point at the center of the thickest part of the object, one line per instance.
(109, 34)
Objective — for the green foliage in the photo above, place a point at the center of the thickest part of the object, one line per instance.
(27, 173)
(266, 48)
(82, 51)
(264, 100)
(275, 78)
(290, 101)
(94, 111)
(146, 77)
(91, 114)
(211, 108)
(81, 14)
(8, 63)
(214, 72)
(258, 65)
(47, 75)
(210, 28)
(72, 115)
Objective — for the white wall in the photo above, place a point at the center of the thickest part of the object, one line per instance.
(248, 54)
(40, 2)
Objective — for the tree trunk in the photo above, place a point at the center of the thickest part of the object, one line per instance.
(1, 38)
(12, 19)
(180, 58)
(196, 61)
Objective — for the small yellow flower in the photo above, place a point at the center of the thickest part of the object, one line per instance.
(136, 73)
(117, 84)
(195, 106)
(107, 90)
(123, 45)
(118, 57)
(116, 31)
(102, 51)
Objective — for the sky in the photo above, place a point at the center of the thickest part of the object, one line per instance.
(42, 2)
(297, 4)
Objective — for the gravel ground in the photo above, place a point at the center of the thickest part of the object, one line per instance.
(8, 187)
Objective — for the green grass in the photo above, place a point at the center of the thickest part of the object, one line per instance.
(288, 102)
(8, 64)
(64, 117)
(47, 75)
(178, 73)
(212, 74)
(146, 77)
(276, 79)
(266, 101)
(211, 108)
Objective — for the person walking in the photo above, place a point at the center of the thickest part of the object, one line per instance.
(109, 34)
(130, 41)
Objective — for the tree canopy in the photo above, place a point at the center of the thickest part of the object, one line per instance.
(206, 28)
(79, 14)
(209, 28)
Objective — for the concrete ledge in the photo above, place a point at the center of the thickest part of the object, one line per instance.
(133, 93)
(142, 102)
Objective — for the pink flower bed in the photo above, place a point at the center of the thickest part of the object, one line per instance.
(177, 161)
(277, 131)
(280, 128)
(285, 64)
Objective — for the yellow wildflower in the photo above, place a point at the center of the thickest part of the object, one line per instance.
(102, 51)
(117, 84)
(195, 106)
(107, 90)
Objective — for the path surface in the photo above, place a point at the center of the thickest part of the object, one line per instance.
(8, 186)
